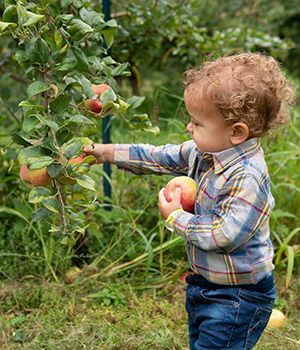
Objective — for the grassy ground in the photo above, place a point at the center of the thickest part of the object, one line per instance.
(112, 315)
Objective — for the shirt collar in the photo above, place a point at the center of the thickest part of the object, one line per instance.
(230, 156)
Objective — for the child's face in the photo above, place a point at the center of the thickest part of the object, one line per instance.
(207, 126)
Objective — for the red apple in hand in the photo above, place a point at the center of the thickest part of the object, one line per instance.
(36, 177)
(188, 191)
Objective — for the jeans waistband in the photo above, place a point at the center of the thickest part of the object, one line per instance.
(264, 285)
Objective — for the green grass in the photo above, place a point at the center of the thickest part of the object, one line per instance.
(112, 315)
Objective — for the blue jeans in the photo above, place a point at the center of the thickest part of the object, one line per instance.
(227, 317)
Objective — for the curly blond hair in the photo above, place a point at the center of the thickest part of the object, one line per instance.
(248, 87)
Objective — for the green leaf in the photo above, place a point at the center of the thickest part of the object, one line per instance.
(36, 88)
(107, 96)
(80, 119)
(108, 60)
(80, 81)
(135, 101)
(140, 121)
(51, 204)
(42, 50)
(10, 14)
(54, 229)
(40, 162)
(14, 212)
(30, 123)
(112, 23)
(30, 152)
(55, 170)
(68, 64)
(32, 19)
(65, 19)
(7, 25)
(74, 147)
(86, 182)
(58, 39)
(20, 140)
(83, 64)
(41, 214)
(108, 35)
(153, 130)
(124, 106)
(31, 105)
(91, 17)
(290, 265)
(120, 70)
(38, 194)
(81, 169)
(53, 125)
(60, 104)
(79, 29)
(20, 57)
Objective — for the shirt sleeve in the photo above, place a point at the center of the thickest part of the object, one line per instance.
(147, 159)
(241, 209)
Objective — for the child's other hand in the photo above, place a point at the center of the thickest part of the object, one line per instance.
(165, 207)
(102, 152)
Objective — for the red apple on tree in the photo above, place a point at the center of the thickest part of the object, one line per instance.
(36, 177)
(81, 158)
(95, 105)
(99, 89)
(92, 105)
(188, 191)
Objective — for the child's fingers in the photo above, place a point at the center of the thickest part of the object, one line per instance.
(177, 195)
(161, 197)
(89, 149)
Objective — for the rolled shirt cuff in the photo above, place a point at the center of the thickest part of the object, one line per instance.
(121, 154)
(178, 222)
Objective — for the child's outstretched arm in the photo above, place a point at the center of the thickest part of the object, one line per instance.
(144, 158)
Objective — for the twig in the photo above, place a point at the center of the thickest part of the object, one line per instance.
(62, 204)
(120, 14)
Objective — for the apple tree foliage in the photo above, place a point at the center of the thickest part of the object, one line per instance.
(183, 33)
(56, 50)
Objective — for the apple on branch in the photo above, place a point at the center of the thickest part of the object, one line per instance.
(188, 191)
(81, 158)
(35, 177)
(99, 89)
(95, 105)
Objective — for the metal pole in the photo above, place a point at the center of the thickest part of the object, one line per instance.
(106, 128)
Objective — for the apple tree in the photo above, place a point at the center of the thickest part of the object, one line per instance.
(183, 33)
(58, 50)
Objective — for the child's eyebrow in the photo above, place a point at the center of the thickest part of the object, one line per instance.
(195, 120)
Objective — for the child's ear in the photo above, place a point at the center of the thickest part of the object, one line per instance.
(239, 133)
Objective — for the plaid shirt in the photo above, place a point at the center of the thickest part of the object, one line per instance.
(228, 237)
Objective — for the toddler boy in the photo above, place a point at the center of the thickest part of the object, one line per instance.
(232, 102)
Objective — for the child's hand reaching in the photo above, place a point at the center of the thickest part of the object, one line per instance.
(165, 207)
(102, 152)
